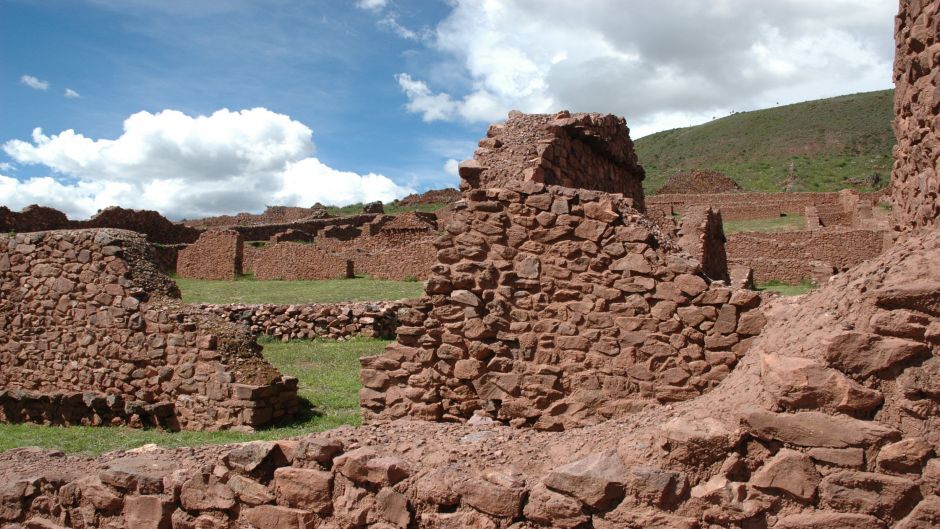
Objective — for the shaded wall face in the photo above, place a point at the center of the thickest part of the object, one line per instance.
(915, 183)
(556, 307)
(89, 333)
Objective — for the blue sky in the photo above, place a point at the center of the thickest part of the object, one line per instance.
(376, 98)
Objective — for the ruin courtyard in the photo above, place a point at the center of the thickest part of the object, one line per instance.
(579, 352)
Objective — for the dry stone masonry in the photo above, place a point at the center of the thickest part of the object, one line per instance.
(338, 321)
(915, 182)
(217, 254)
(92, 333)
(557, 307)
(590, 151)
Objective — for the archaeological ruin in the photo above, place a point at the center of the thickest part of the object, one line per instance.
(574, 363)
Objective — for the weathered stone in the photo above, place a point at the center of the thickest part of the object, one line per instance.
(492, 498)
(906, 456)
(842, 457)
(202, 492)
(393, 508)
(789, 471)
(925, 516)
(799, 383)
(596, 480)
(829, 520)
(365, 465)
(275, 517)
(147, 512)
(886, 497)
(868, 354)
(815, 429)
(248, 491)
(551, 508)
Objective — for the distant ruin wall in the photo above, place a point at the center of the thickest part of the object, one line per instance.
(793, 256)
(296, 261)
(750, 206)
(556, 307)
(152, 224)
(915, 182)
(92, 333)
(378, 319)
(216, 255)
(587, 151)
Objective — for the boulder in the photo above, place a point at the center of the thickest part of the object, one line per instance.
(551, 508)
(800, 383)
(865, 354)
(365, 465)
(906, 456)
(829, 520)
(303, 488)
(275, 517)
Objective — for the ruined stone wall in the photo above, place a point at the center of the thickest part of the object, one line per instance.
(588, 151)
(915, 183)
(702, 236)
(93, 333)
(557, 307)
(749, 206)
(770, 254)
(216, 255)
(316, 226)
(297, 261)
(697, 182)
(374, 319)
(155, 226)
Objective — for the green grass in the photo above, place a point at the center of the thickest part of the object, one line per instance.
(249, 290)
(390, 209)
(787, 290)
(832, 143)
(775, 224)
(328, 371)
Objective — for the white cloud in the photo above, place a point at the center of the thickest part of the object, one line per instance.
(372, 5)
(451, 168)
(71, 94)
(34, 82)
(658, 64)
(187, 166)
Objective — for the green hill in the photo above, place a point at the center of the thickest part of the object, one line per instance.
(832, 144)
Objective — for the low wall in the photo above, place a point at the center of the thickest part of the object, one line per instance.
(91, 332)
(794, 256)
(377, 319)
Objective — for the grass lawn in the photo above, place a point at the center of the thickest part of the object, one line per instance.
(249, 290)
(787, 223)
(329, 379)
(787, 290)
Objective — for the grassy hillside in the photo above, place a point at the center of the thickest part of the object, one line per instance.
(832, 143)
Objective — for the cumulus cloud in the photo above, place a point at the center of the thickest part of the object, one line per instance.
(71, 94)
(34, 82)
(451, 168)
(659, 64)
(186, 166)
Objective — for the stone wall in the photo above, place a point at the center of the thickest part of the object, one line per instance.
(216, 255)
(155, 226)
(93, 333)
(794, 256)
(589, 151)
(297, 261)
(555, 307)
(697, 182)
(702, 236)
(376, 319)
(750, 206)
(915, 183)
